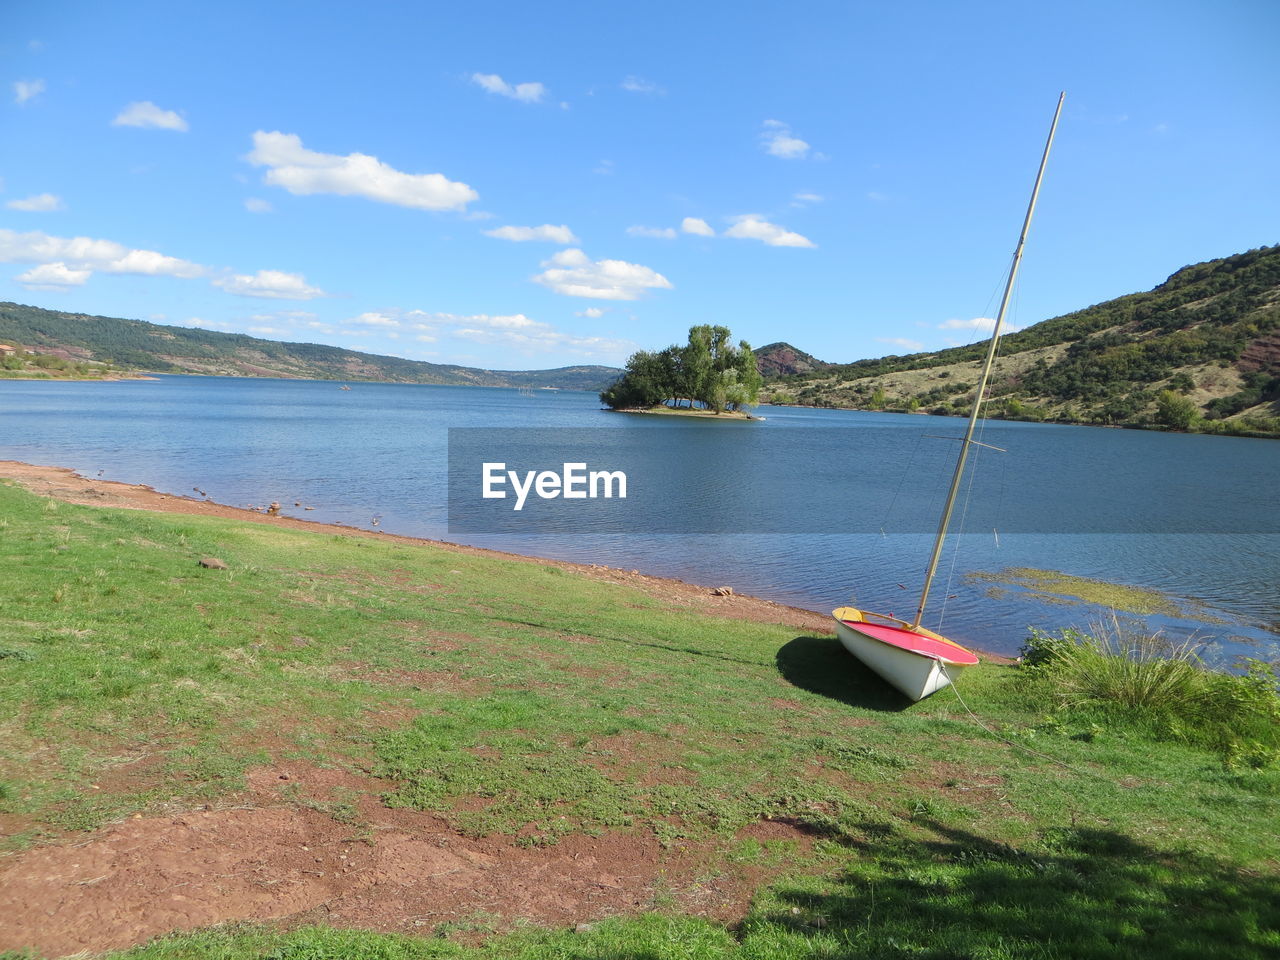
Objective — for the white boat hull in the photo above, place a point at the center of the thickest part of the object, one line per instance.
(915, 675)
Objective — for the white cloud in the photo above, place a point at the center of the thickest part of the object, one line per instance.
(53, 276)
(805, 199)
(547, 340)
(286, 316)
(593, 313)
(268, 330)
(270, 285)
(514, 331)
(257, 205)
(532, 337)
(574, 274)
(40, 203)
(657, 233)
(547, 232)
(697, 226)
(304, 172)
(636, 84)
(24, 90)
(372, 319)
(212, 324)
(983, 325)
(151, 264)
(37, 247)
(753, 227)
(144, 113)
(421, 320)
(88, 254)
(779, 142)
(913, 346)
(525, 92)
(515, 321)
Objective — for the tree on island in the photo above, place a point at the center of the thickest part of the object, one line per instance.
(708, 371)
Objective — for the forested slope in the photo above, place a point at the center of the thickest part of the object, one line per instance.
(138, 345)
(1209, 335)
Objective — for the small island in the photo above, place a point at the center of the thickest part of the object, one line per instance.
(707, 377)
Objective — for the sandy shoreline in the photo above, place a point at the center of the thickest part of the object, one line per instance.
(689, 412)
(62, 483)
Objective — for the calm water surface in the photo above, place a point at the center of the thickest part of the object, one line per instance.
(379, 451)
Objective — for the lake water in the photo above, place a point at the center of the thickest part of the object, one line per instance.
(1056, 499)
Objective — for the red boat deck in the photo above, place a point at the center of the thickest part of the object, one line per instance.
(907, 640)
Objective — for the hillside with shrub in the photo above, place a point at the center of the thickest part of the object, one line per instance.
(780, 359)
(1200, 351)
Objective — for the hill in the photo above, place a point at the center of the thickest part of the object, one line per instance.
(782, 359)
(138, 345)
(1205, 342)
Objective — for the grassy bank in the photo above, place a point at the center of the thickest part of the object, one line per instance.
(537, 711)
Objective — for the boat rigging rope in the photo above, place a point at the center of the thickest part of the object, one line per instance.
(902, 479)
(955, 548)
(973, 473)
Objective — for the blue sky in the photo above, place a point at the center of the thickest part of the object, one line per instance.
(521, 186)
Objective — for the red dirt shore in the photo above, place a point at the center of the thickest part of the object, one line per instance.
(64, 484)
(267, 859)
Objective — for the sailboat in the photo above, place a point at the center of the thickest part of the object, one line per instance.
(910, 657)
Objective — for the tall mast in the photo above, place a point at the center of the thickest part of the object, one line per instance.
(986, 374)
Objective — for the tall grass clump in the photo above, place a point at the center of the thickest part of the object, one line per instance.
(1146, 680)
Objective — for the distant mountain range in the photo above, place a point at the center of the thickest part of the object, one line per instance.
(1210, 335)
(138, 345)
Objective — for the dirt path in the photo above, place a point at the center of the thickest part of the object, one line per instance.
(392, 870)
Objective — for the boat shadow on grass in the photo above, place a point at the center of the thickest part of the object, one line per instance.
(821, 665)
(1089, 893)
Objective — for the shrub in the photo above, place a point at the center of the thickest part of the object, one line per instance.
(1148, 681)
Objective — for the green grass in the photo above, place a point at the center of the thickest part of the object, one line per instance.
(1130, 676)
(528, 703)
